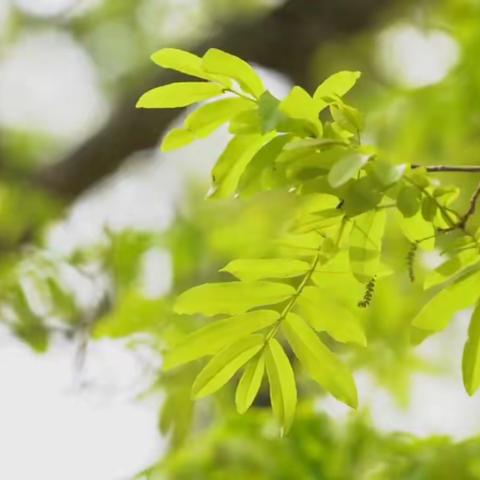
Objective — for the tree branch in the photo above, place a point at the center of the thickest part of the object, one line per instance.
(448, 168)
(471, 209)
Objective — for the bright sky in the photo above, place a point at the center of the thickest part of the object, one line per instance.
(51, 429)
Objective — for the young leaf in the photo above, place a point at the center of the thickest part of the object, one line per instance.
(436, 313)
(299, 105)
(388, 173)
(321, 364)
(249, 384)
(223, 63)
(268, 112)
(471, 354)
(204, 121)
(365, 244)
(336, 85)
(231, 298)
(252, 178)
(345, 169)
(233, 161)
(179, 94)
(283, 390)
(214, 336)
(223, 366)
(417, 229)
(185, 62)
(262, 268)
(216, 113)
(429, 209)
(177, 138)
(326, 315)
(408, 200)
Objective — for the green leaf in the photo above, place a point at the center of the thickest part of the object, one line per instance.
(417, 229)
(223, 366)
(253, 178)
(365, 244)
(177, 138)
(429, 209)
(440, 309)
(299, 105)
(262, 268)
(231, 298)
(345, 169)
(179, 94)
(336, 85)
(223, 63)
(388, 173)
(214, 336)
(283, 390)
(450, 267)
(320, 363)
(204, 121)
(361, 196)
(324, 314)
(233, 161)
(408, 200)
(249, 384)
(268, 110)
(346, 117)
(132, 314)
(471, 354)
(185, 62)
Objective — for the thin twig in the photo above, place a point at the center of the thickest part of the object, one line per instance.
(448, 168)
(472, 207)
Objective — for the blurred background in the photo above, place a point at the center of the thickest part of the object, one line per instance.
(99, 231)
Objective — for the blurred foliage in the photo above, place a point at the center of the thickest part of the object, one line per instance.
(39, 300)
(316, 448)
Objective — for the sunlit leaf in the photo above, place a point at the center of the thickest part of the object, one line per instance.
(336, 85)
(264, 268)
(321, 364)
(223, 63)
(233, 161)
(471, 354)
(366, 244)
(300, 105)
(232, 297)
(185, 62)
(440, 309)
(345, 169)
(214, 336)
(249, 383)
(221, 368)
(283, 390)
(324, 314)
(179, 94)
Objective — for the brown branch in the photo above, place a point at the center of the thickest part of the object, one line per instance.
(471, 209)
(448, 168)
